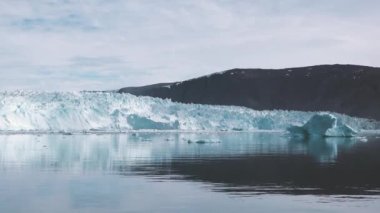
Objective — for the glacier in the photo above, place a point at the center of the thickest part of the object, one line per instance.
(32, 111)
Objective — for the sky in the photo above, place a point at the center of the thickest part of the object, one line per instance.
(108, 44)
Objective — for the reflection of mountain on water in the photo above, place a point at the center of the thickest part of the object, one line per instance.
(241, 162)
(355, 172)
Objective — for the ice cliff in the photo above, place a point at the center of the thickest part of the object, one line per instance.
(114, 112)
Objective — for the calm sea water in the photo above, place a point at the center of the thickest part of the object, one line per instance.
(187, 172)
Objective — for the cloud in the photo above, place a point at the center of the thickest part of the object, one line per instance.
(107, 44)
(71, 21)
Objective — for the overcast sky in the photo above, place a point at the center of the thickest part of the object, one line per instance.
(108, 44)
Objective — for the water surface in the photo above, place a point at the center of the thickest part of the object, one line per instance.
(188, 172)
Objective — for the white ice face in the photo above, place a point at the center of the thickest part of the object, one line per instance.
(113, 112)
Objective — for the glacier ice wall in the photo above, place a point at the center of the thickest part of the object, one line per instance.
(114, 112)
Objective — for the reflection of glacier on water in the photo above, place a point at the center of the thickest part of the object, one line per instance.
(113, 112)
(107, 152)
(229, 162)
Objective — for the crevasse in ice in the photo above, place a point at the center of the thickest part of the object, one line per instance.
(114, 112)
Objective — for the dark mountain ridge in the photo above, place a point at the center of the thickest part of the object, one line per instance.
(348, 89)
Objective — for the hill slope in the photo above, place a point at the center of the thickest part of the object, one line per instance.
(348, 89)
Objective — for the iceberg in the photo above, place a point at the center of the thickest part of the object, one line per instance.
(322, 125)
(30, 111)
